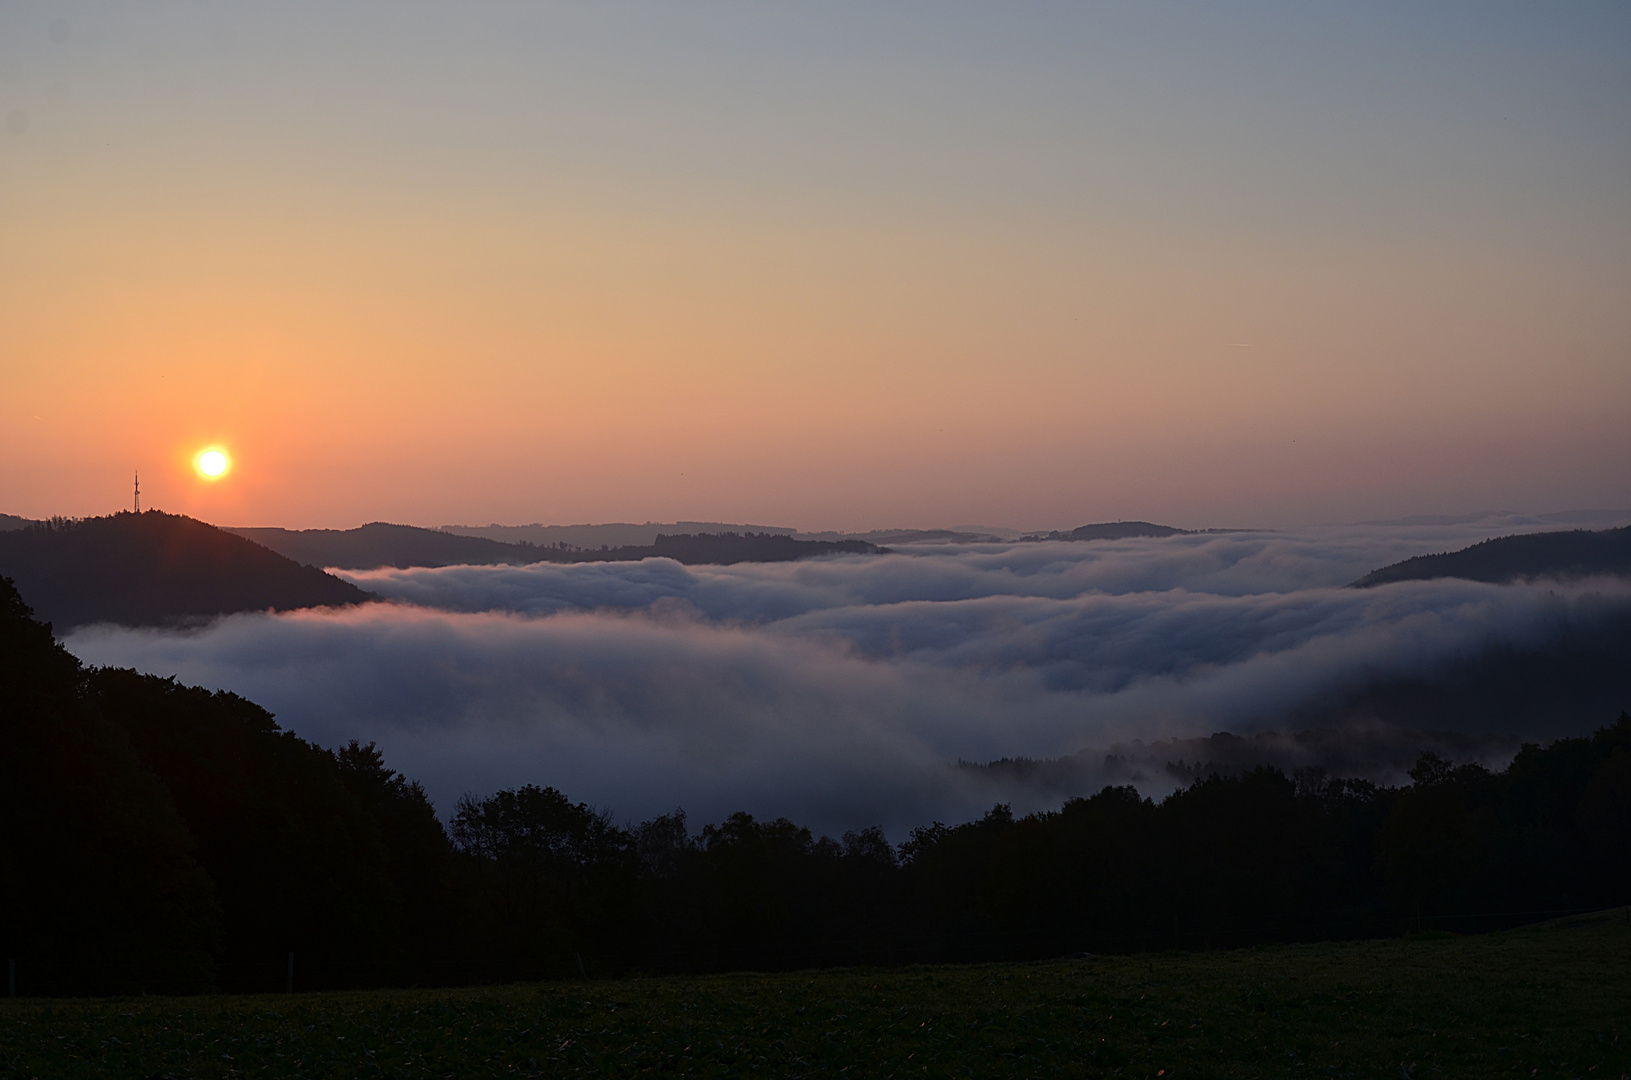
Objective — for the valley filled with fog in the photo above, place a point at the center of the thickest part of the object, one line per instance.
(843, 691)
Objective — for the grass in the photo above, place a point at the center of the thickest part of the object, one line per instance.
(1550, 1001)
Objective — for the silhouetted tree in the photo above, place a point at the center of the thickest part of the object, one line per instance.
(98, 889)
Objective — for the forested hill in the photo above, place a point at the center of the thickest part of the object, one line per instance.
(162, 837)
(155, 569)
(380, 544)
(1573, 554)
(1113, 530)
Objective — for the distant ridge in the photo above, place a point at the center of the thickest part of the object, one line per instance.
(908, 536)
(1113, 530)
(155, 569)
(379, 544)
(728, 548)
(8, 522)
(612, 534)
(1572, 554)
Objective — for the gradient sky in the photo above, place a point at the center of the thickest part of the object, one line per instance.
(825, 265)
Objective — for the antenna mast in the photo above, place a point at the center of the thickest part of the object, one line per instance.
(138, 491)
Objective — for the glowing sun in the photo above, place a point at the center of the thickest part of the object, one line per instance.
(212, 463)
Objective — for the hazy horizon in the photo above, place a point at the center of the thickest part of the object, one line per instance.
(832, 266)
(1494, 519)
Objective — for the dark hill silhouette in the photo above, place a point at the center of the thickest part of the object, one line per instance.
(382, 544)
(159, 837)
(12, 521)
(1113, 530)
(155, 569)
(724, 548)
(402, 546)
(920, 536)
(1572, 554)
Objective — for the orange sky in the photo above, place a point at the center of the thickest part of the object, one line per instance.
(812, 267)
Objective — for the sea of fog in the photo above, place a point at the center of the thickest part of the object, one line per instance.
(841, 692)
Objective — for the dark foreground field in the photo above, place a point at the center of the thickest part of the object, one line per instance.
(1550, 1001)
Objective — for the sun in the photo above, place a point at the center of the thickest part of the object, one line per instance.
(212, 463)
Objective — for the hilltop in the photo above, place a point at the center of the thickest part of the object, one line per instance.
(155, 569)
(1573, 554)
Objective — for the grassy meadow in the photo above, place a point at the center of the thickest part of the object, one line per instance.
(1547, 1001)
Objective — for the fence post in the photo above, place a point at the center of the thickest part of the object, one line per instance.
(289, 986)
(11, 978)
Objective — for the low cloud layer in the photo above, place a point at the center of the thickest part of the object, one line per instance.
(841, 692)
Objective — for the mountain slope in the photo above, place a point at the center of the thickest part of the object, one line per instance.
(1577, 553)
(155, 569)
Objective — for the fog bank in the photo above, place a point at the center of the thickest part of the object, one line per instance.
(841, 692)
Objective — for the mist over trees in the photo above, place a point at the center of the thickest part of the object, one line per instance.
(159, 837)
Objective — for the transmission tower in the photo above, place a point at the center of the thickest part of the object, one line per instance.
(138, 491)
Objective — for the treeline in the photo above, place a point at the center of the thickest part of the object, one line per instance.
(157, 837)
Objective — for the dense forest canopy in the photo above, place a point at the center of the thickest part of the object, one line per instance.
(155, 569)
(155, 836)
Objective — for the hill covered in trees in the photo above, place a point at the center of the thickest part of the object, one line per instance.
(158, 837)
(403, 546)
(1113, 530)
(1573, 554)
(155, 569)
